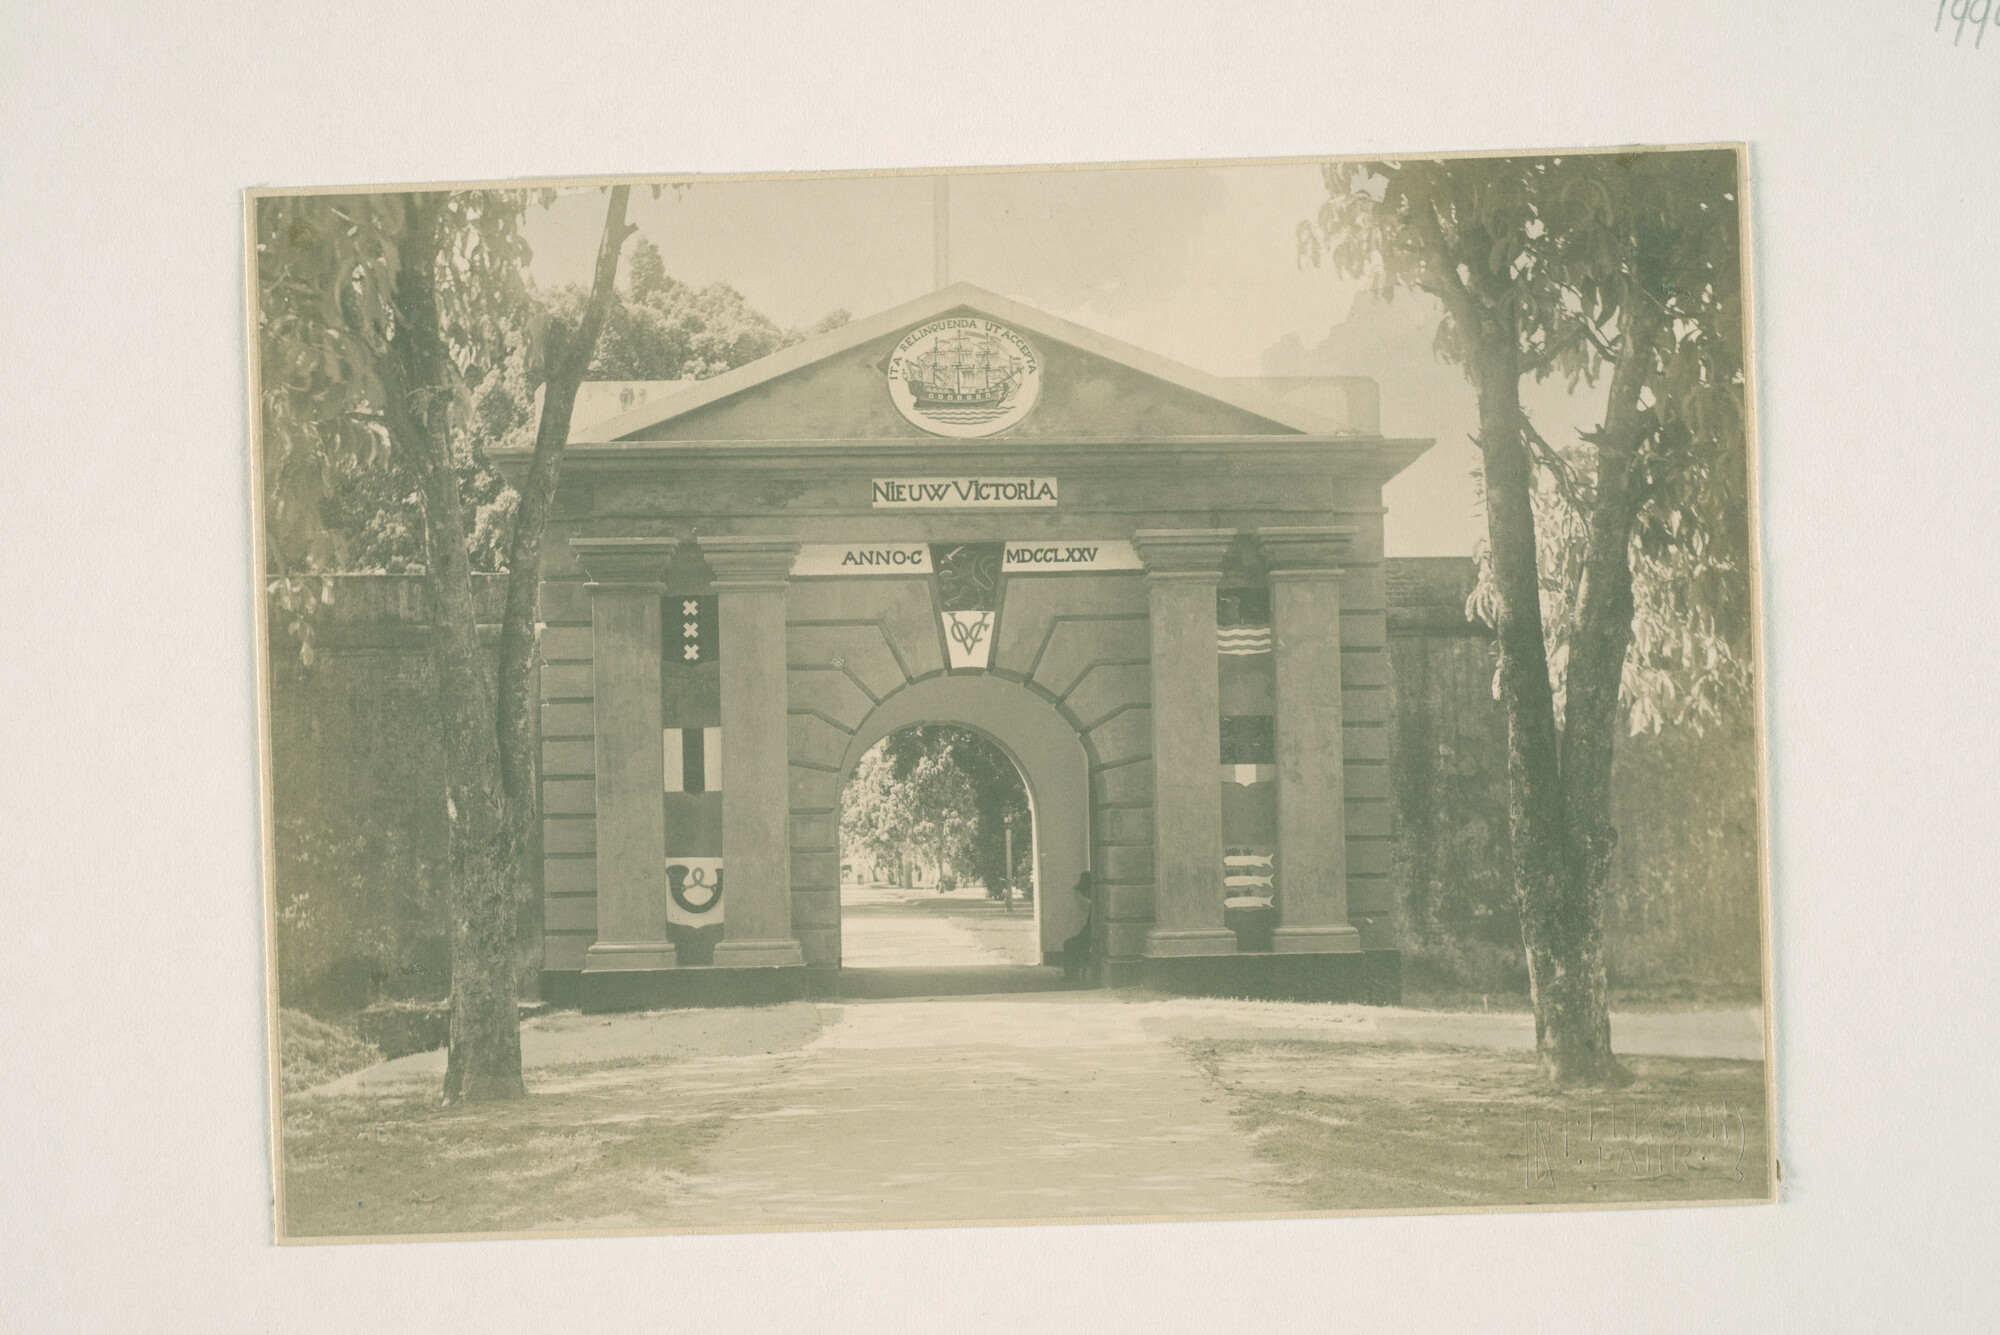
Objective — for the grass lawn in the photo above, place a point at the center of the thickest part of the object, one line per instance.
(1357, 1126)
(313, 1052)
(1681, 995)
(607, 1146)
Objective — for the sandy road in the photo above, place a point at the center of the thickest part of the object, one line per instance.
(1057, 1105)
(989, 1109)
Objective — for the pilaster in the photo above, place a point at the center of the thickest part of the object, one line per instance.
(750, 575)
(625, 587)
(1183, 570)
(1305, 573)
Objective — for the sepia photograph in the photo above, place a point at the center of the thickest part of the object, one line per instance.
(1167, 691)
(1131, 667)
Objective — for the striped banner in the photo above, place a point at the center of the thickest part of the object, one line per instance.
(1243, 640)
(1247, 880)
(1249, 868)
(694, 759)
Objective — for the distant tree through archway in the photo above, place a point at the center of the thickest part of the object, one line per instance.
(925, 873)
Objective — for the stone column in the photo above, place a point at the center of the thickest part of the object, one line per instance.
(1304, 564)
(749, 581)
(1183, 568)
(626, 586)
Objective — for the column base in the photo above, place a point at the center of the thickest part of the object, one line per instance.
(780, 954)
(1341, 940)
(1121, 973)
(1173, 943)
(1372, 977)
(663, 989)
(622, 956)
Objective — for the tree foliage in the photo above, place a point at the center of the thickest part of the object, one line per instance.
(941, 793)
(338, 498)
(1577, 250)
(663, 329)
(338, 494)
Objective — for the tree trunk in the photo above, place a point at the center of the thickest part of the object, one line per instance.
(490, 764)
(566, 362)
(1561, 931)
(485, 1059)
(1572, 1022)
(1578, 1042)
(1558, 781)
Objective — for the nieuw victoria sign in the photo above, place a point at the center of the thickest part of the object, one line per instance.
(962, 493)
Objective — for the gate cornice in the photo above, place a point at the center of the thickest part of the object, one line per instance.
(1373, 458)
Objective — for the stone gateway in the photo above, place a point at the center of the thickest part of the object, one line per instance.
(1160, 592)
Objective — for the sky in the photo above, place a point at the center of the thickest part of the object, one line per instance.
(1199, 264)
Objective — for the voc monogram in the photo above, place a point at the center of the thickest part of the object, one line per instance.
(970, 633)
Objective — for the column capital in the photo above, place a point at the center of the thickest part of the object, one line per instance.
(1305, 550)
(1186, 552)
(750, 562)
(624, 562)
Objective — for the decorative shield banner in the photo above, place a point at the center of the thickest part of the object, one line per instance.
(690, 635)
(1243, 621)
(968, 590)
(694, 891)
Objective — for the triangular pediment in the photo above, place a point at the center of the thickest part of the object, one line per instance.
(838, 386)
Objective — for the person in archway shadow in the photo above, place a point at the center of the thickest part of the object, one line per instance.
(1078, 953)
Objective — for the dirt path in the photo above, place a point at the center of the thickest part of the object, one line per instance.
(890, 942)
(984, 1109)
(886, 927)
(1067, 1105)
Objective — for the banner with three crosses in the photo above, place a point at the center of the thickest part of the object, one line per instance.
(691, 738)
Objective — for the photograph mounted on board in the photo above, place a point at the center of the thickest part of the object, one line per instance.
(1158, 691)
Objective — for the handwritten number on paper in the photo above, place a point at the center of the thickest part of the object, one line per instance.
(1975, 12)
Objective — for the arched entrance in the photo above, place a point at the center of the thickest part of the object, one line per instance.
(1043, 747)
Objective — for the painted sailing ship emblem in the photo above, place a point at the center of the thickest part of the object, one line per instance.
(964, 376)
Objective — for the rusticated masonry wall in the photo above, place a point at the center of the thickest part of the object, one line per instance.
(569, 770)
(850, 644)
(1082, 642)
(1684, 904)
(358, 789)
(1365, 712)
